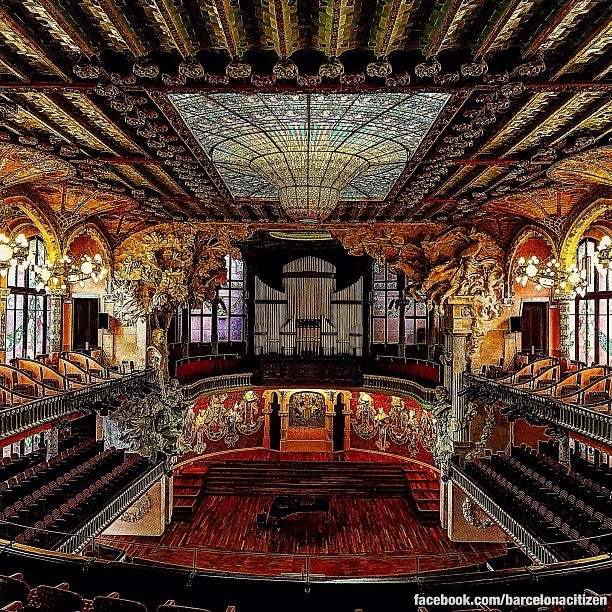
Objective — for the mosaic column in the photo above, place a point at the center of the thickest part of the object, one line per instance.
(564, 325)
(53, 442)
(57, 296)
(4, 294)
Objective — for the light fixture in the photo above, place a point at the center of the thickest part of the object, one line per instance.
(13, 252)
(65, 272)
(551, 276)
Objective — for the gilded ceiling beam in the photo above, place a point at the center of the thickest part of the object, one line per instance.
(119, 21)
(435, 41)
(69, 27)
(226, 17)
(556, 19)
(497, 28)
(12, 67)
(603, 32)
(175, 26)
(26, 36)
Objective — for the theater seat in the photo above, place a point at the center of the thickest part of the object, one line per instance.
(170, 606)
(12, 589)
(54, 599)
(115, 604)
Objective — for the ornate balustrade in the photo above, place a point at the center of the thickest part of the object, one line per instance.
(22, 417)
(214, 383)
(113, 510)
(400, 385)
(531, 546)
(540, 409)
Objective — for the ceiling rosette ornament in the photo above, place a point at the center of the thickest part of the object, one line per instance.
(331, 68)
(381, 68)
(428, 69)
(285, 69)
(238, 70)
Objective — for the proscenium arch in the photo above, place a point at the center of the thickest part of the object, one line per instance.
(594, 211)
(43, 223)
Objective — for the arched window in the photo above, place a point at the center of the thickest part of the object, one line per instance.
(590, 329)
(387, 309)
(28, 311)
(230, 306)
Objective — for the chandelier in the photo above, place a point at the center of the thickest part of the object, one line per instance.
(603, 253)
(65, 273)
(550, 275)
(14, 251)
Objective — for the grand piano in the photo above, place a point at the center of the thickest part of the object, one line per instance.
(285, 505)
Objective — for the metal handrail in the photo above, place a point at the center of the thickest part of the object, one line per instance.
(399, 385)
(22, 417)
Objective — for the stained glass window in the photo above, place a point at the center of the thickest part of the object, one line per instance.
(385, 314)
(28, 312)
(230, 309)
(251, 138)
(590, 329)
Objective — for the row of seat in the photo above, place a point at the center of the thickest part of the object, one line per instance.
(42, 473)
(562, 380)
(16, 594)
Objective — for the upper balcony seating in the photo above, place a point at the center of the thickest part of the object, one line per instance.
(45, 375)
(527, 372)
(94, 368)
(27, 379)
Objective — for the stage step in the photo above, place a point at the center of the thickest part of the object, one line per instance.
(340, 479)
(423, 487)
(187, 491)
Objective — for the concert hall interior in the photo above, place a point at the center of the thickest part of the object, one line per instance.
(304, 305)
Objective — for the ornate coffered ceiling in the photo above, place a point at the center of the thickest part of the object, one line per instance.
(94, 85)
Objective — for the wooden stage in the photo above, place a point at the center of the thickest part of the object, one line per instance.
(365, 536)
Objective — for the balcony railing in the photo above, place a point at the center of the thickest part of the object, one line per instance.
(23, 417)
(214, 383)
(400, 385)
(112, 511)
(530, 545)
(520, 403)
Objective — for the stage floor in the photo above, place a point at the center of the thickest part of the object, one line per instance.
(364, 537)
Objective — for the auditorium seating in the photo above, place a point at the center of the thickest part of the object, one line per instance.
(27, 379)
(16, 594)
(554, 504)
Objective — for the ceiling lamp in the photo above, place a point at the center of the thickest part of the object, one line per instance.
(65, 272)
(549, 275)
(603, 254)
(13, 252)
(309, 172)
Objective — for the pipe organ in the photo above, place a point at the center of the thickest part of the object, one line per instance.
(309, 317)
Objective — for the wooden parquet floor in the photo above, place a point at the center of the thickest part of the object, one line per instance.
(364, 537)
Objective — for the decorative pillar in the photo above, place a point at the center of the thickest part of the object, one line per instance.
(4, 293)
(457, 328)
(401, 345)
(564, 450)
(347, 396)
(267, 411)
(53, 442)
(57, 297)
(564, 322)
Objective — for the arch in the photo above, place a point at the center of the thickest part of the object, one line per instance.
(580, 225)
(44, 222)
(97, 235)
(528, 232)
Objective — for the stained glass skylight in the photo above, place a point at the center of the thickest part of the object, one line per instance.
(351, 146)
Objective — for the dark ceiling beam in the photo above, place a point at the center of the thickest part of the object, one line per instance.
(481, 161)
(118, 19)
(175, 26)
(67, 24)
(498, 26)
(434, 46)
(556, 18)
(27, 37)
(14, 65)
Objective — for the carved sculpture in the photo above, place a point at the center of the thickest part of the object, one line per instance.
(445, 426)
(168, 267)
(439, 263)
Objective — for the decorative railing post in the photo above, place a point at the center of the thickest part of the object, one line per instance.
(4, 294)
(57, 304)
(53, 442)
(564, 326)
